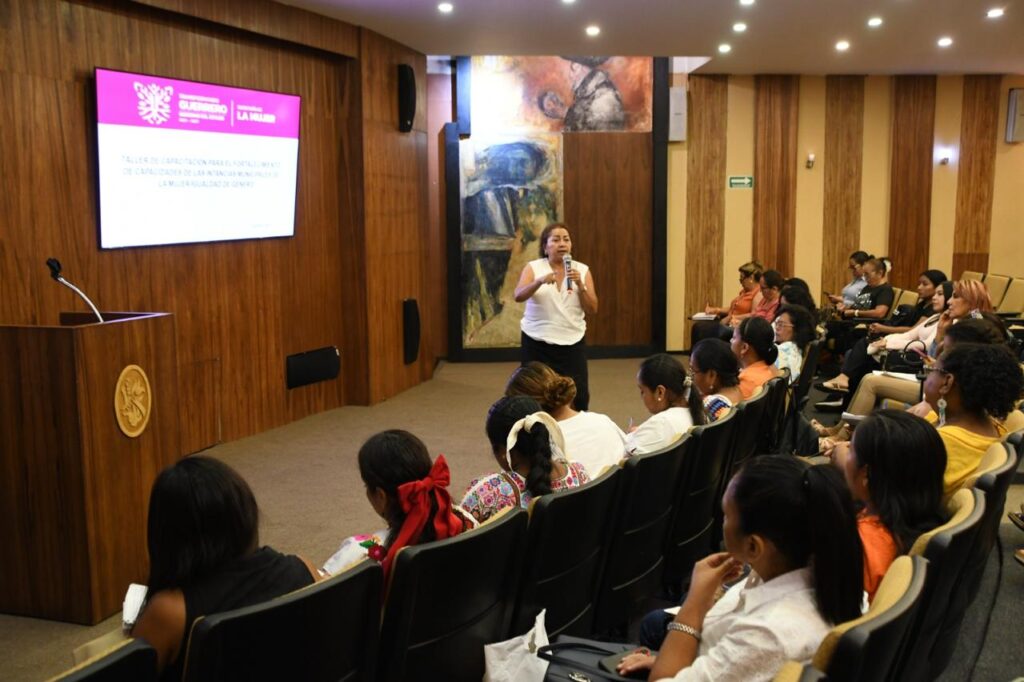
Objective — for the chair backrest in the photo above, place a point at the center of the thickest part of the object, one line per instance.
(909, 297)
(946, 548)
(897, 295)
(750, 413)
(566, 546)
(970, 274)
(1014, 422)
(1013, 299)
(864, 649)
(997, 286)
(132, 659)
(646, 498)
(326, 631)
(795, 671)
(807, 372)
(769, 435)
(994, 476)
(450, 597)
(692, 529)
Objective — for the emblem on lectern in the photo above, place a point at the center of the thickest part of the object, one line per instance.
(133, 401)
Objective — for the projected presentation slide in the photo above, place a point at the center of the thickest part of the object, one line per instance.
(183, 162)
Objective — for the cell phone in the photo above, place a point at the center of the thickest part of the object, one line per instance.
(611, 664)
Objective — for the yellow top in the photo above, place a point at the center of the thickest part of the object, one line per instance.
(964, 450)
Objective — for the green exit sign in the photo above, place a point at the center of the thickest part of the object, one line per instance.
(741, 181)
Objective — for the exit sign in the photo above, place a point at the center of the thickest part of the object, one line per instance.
(741, 181)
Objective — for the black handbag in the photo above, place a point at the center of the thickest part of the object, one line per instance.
(574, 659)
(905, 361)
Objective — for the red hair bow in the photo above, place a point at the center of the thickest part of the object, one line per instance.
(415, 498)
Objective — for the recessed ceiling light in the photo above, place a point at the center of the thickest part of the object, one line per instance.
(739, 27)
(568, 2)
(875, 22)
(593, 31)
(725, 48)
(994, 13)
(843, 45)
(945, 41)
(747, 2)
(445, 7)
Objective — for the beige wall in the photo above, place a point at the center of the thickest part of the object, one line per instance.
(1007, 238)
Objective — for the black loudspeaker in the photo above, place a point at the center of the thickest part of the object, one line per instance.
(410, 330)
(312, 366)
(406, 97)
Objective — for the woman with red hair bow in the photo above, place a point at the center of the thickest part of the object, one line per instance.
(409, 493)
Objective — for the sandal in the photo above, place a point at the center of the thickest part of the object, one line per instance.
(835, 387)
(1017, 518)
(820, 428)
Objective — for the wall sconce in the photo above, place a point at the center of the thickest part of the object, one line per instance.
(810, 161)
(944, 161)
(944, 155)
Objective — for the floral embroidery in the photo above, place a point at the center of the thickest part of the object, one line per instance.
(374, 549)
(488, 495)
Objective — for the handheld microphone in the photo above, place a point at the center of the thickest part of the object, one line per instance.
(55, 269)
(567, 264)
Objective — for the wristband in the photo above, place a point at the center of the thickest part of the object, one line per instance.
(682, 627)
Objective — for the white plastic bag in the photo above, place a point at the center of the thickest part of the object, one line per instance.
(516, 660)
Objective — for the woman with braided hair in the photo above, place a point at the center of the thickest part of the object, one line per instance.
(409, 493)
(528, 447)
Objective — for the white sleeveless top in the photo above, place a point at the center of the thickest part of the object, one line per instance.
(552, 315)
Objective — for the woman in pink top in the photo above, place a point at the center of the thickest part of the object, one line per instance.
(753, 343)
(771, 287)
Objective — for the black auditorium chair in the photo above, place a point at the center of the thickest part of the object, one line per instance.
(750, 413)
(132, 659)
(567, 543)
(802, 388)
(692, 529)
(647, 496)
(769, 437)
(448, 598)
(326, 631)
(946, 548)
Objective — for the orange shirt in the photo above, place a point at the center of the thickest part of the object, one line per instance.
(754, 377)
(879, 550)
(742, 304)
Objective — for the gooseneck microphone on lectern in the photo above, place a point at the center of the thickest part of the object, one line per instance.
(54, 266)
(567, 264)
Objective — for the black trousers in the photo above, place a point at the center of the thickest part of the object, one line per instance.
(569, 361)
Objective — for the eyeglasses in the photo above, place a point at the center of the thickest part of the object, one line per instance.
(780, 323)
(928, 369)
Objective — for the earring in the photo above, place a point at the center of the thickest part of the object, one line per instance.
(942, 411)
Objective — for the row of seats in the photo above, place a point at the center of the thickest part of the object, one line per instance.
(912, 627)
(1007, 293)
(636, 529)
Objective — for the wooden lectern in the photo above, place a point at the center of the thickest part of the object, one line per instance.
(74, 488)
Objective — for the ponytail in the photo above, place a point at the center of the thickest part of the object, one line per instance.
(665, 370)
(757, 333)
(808, 514)
(517, 423)
(534, 445)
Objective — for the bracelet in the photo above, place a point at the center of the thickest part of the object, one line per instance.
(682, 627)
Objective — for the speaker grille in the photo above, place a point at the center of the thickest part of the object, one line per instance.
(312, 366)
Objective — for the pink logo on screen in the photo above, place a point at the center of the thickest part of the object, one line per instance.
(154, 102)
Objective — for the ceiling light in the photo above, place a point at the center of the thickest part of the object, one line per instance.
(843, 45)
(747, 2)
(994, 13)
(945, 41)
(875, 22)
(593, 31)
(445, 7)
(739, 27)
(568, 2)
(725, 48)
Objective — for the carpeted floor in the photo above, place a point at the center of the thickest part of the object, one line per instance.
(307, 484)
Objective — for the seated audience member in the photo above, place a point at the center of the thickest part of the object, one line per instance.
(406, 490)
(795, 525)
(771, 290)
(738, 310)
(753, 343)
(875, 300)
(716, 374)
(667, 395)
(894, 466)
(205, 556)
(527, 444)
(970, 299)
(799, 295)
(794, 330)
(928, 283)
(853, 289)
(971, 388)
(591, 438)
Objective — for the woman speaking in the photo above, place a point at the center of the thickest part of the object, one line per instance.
(557, 299)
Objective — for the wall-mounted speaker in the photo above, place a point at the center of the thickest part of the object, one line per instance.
(410, 330)
(406, 97)
(312, 366)
(1015, 116)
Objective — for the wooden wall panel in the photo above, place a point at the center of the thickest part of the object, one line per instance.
(395, 205)
(608, 203)
(777, 102)
(240, 307)
(439, 112)
(705, 190)
(979, 131)
(844, 162)
(910, 176)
